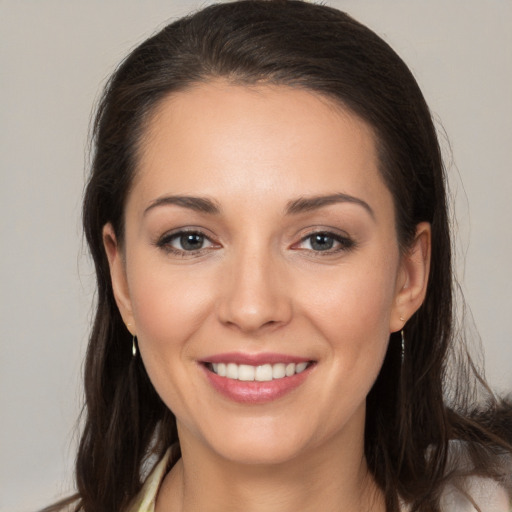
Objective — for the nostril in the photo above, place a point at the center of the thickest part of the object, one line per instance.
(251, 303)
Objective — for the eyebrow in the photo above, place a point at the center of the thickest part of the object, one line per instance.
(198, 204)
(306, 204)
(300, 205)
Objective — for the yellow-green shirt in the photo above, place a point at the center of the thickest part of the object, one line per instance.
(489, 495)
(145, 500)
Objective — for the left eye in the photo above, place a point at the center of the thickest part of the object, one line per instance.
(323, 242)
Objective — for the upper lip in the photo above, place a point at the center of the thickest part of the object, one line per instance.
(254, 359)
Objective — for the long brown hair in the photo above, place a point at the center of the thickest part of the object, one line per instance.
(415, 407)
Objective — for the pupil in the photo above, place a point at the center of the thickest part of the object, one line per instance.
(322, 242)
(191, 241)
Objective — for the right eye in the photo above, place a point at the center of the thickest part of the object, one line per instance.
(185, 242)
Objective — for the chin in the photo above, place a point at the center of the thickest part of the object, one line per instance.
(259, 453)
(260, 445)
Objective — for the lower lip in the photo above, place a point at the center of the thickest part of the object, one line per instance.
(255, 392)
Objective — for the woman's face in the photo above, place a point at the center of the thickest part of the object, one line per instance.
(260, 239)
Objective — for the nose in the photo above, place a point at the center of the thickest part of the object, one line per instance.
(255, 296)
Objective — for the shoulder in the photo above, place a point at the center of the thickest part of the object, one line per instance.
(467, 492)
(145, 500)
(474, 492)
(472, 495)
(484, 493)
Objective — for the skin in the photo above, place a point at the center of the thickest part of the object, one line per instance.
(258, 284)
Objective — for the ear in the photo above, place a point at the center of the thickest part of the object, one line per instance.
(118, 276)
(412, 278)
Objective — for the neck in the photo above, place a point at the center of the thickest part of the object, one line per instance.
(331, 478)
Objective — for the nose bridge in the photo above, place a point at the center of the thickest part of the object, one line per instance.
(253, 291)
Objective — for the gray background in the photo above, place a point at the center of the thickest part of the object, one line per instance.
(54, 54)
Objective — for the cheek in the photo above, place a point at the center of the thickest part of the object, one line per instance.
(355, 300)
(352, 315)
(169, 305)
(169, 308)
(351, 309)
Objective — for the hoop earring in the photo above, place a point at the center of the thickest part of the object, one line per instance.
(134, 346)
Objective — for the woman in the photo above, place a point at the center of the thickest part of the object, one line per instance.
(267, 216)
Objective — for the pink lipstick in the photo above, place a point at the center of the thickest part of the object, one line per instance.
(255, 378)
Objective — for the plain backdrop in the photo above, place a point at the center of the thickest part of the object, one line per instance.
(54, 56)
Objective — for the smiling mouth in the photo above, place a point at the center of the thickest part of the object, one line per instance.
(260, 373)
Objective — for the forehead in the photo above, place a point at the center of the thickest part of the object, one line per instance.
(233, 141)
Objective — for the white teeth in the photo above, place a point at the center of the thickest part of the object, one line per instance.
(300, 367)
(221, 369)
(262, 373)
(278, 371)
(232, 371)
(290, 369)
(245, 372)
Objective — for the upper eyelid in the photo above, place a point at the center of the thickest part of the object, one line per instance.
(338, 237)
(180, 231)
(334, 232)
(329, 232)
(191, 232)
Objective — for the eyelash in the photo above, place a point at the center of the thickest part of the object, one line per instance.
(345, 243)
(164, 243)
